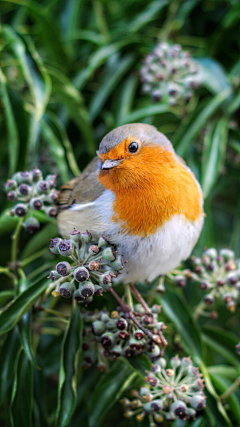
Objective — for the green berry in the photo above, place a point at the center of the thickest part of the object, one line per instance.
(198, 402)
(175, 362)
(179, 408)
(12, 195)
(24, 189)
(87, 290)
(42, 187)
(54, 243)
(36, 203)
(78, 296)
(31, 225)
(227, 254)
(211, 253)
(25, 177)
(11, 184)
(66, 289)
(157, 405)
(21, 210)
(53, 275)
(63, 268)
(117, 264)
(36, 174)
(75, 236)
(109, 254)
(86, 237)
(81, 274)
(107, 340)
(66, 248)
(51, 211)
(98, 327)
(102, 242)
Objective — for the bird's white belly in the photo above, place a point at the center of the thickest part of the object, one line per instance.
(157, 254)
(149, 257)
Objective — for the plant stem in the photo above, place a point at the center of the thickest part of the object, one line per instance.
(15, 238)
(231, 389)
(31, 258)
(5, 270)
(199, 309)
(139, 298)
(151, 295)
(129, 297)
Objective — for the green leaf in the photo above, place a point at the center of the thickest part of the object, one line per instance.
(225, 371)
(151, 110)
(222, 385)
(177, 310)
(19, 306)
(39, 240)
(25, 334)
(127, 97)
(5, 296)
(22, 395)
(96, 60)
(213, 75)
(110, 82)
(8, 353)
(56, 149)
(148, 15)
(186, 137)
(223, 342)
(73, 101)
(34, 72)
(7, 222)
(108, 390)
(71, 348)
(141, 364)
(214, 149)
(12, 131)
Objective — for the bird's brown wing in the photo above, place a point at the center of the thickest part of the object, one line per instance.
(81, 191)
(84, 188)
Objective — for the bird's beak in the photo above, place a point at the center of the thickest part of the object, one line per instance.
(109, 164)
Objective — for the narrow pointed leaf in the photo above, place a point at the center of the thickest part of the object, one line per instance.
(19, 306)
(25, 334)
(71, 348)
(8, 353)
(108, 391)
(22, 396)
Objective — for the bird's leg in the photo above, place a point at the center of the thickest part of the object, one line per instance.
(139, 298)
(157, 340)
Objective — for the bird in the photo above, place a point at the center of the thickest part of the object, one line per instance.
(140, 195)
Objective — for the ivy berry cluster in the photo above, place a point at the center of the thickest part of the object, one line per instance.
(218, 274)
(32, 193)
(169, 74)
(91, 271)
(170, 393)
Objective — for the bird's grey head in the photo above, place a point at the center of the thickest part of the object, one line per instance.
(141, 131)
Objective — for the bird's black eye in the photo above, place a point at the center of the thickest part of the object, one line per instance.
(133, 147)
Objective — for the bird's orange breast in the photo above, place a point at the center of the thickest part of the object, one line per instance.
(150, 188)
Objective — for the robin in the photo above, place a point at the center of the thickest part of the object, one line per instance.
(141, 196)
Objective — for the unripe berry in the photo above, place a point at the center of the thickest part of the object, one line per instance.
(86, 237)
(87, 290)
(66, 290)
(98, 290)
(208, 299)
(53, 275)
(54, 243)
(66, 248)
(232, 278)
(98, 327)
(12, 195)
(109, 254)
(51, 211)
(24, 189)
(175, 362)
(122, 324)
(20, 210)
(102, 242)
(180, 281)
(93, 250)
(36, 174)
(211, 253)
(77, 296)
(117, 264)
(25, 177)
(157, 405)
(63, 268)
(107, 340)
(75, 236)
(42, 187)
(31, 225)
(11, 184)
(81, 274)
(227, 254)
(116, 351)
(138, 334)
(198, 402)
(36, 203)
(179, 408)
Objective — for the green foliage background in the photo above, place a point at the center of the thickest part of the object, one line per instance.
(69, 74)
